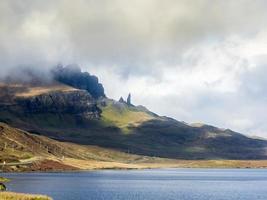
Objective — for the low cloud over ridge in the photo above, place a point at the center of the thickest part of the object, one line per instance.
(195, 60)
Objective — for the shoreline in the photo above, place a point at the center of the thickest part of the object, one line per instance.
(87, 166)
(133, 169)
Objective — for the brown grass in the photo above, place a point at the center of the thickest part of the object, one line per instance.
(93, 164)
(35, 91)
(10, 91)
(39, 153)
(17, 196)
(207, 164)
(164, 163)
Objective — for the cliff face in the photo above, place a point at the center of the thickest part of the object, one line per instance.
(73, 76)
(67, 91)
(42, 99)
(71, 102)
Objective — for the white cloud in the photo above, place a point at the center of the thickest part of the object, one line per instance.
(218, 83)
(195, 60)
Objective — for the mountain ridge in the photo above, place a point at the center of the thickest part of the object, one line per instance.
(56, 111)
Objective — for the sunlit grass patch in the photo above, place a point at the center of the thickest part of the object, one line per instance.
(123, 116)
(2, 179)
(17, 196)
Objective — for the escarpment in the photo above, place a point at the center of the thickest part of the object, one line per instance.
(71, 102)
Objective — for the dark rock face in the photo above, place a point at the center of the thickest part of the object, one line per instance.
(121, 100)
(73, 76)
(129, 99)
(73, 102)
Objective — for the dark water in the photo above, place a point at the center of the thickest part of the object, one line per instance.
(167, 184)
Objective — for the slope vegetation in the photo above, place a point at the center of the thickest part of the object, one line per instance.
(21, 150)
(18, 196)
(122, 115)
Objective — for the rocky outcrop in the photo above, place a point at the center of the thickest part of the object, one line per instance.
(129, 99)
(73, 76)
(72, 102)
(121, 100)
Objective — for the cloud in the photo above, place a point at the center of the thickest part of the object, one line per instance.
(195, 60)
(128, 35)
(223, 84)
(30, 36)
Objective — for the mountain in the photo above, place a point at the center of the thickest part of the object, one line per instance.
(72, 107)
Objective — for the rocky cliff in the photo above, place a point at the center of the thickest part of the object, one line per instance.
(73, 76)
(58, 102)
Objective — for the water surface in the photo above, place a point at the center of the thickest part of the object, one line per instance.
(159, 184)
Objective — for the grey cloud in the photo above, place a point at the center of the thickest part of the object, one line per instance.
(254, 82)
(137, 34)
(148, 44)
(143, 33)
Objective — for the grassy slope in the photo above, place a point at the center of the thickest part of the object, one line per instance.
(152, 135)
(17, 196)
(45, 151)
(31, 89)
(15, 144)
(123, 116)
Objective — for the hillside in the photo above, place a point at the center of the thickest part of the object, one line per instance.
(23, 151)
(121, 115)
(68, 112)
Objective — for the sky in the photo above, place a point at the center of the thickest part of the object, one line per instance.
(194, 60)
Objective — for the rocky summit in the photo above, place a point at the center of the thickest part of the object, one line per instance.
(73, 76)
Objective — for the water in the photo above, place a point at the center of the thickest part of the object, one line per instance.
(163, 184)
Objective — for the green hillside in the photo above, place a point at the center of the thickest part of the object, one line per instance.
(123, 116)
